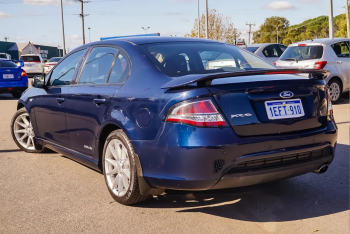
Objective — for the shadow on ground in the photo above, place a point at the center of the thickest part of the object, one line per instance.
(298, 198)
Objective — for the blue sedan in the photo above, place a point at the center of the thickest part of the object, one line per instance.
(13, 79)
(153, 113)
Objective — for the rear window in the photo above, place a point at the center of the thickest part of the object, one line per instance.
(54, 59)
(3, 56)
(252, 49)
(301, 53)
(29, 58)
(184, 58)
(7, 64)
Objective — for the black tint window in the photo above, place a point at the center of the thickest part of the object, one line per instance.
(271, 51)
(30, 58)
(120, 70)
(251, 49)
(2, 56)
(54, 59)
(63, 73)
(341, 50)
(300, 53)
(7, 64)
(282, 47)
(97, 66)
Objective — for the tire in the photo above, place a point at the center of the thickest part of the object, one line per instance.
(19, 128)
(335, 90)
(119, 169)
(16, 94)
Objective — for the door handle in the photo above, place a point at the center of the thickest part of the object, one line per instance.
(339, 61)
(60, 100)
(99, 101)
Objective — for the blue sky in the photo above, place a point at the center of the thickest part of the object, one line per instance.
(39, 20)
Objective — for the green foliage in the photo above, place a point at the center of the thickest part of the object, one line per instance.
(307, 30)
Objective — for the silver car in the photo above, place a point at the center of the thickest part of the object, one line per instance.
(328, 54)
(268, 51)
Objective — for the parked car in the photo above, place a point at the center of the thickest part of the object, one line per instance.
(164, 122)
(13, 79)
(50, 64)
(328, 54)
(33, 64)
(268, 51)
(5, 56)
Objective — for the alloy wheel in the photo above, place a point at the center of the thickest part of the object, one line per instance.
(334, 91)
(117, 167)
(23, 131)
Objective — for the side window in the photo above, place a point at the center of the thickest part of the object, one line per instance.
(282, 47)
(97, 66)
(271, 51)
(341, 49)
(63, 73)
(121, 69)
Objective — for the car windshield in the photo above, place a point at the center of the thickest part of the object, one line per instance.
(252, 49)
(54, 59)
(300, 53)
(7, 64)
(29, 58)
(184, 58)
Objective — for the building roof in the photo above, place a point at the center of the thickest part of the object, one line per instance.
(19, 46)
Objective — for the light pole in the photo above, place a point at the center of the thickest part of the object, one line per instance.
(63, 38)
(145, 29)
(206, 19)
(330, 18)
(89, 34)
(347, 17)
(59, 51)
(199, 22)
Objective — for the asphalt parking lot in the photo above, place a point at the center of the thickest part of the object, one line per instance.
(49, 193)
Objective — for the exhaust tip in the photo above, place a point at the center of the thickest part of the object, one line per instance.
(322, 169)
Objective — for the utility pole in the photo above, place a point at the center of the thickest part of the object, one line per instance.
(206, 19)
(347, 17)
(59, 51)
(330, 18)
(82, 17)
(89, 34)
(63, 38)
(277, 34)
(146, 29)
(250, 31)
(199, 22)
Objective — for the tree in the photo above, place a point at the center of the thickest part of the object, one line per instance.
(268, 30)
(220, 28)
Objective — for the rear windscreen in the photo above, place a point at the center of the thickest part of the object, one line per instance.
(7, 64)
(2, 56)
(54, 59)
(252, 49)
(29, 58)
(302, 53)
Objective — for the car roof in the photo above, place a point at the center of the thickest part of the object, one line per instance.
(320, 41)
(154, 39)
(262, 44)
(30, 55)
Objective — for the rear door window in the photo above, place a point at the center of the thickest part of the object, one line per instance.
(121, 69)
(271, 51)
(251, 49)
(30, 58)
(64, 72)
(341, 49)
(7, 64)
(282, 47)
(98, 65)
(301, 53)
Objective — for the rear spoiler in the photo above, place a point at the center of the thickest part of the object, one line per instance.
(206, 79)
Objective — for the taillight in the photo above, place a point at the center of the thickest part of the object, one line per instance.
(199, 113)
(330, 107)
(274, 64)
(24, 73)
(320, 65)
(301, 44)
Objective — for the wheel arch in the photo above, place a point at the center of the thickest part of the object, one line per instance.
(338, 79)
(20, 105)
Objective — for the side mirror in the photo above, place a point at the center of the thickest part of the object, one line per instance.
(38, 82)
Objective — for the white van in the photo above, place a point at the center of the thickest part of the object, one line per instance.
(33, 64)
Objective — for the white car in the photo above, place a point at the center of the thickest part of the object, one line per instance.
(268, 51)
(50, 64)
(33, 64)
(328, 54)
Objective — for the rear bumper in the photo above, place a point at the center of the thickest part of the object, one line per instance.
(14, 86)
(186, 158)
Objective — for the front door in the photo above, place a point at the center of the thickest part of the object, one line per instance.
(51, 107)
(342, 62)
(88, 101)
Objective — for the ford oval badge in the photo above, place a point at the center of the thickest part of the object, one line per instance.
(286, 94)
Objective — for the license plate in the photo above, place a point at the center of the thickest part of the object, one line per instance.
(284, 109)
(28, 65)
(7, 76)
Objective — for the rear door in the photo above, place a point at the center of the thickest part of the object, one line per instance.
(104, 71)
(271, 104)
(340, 54)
